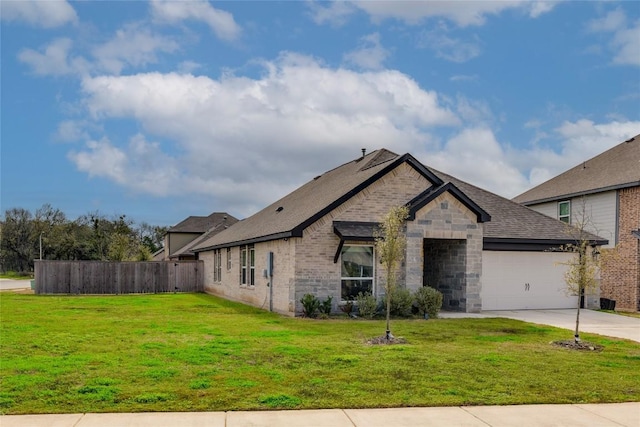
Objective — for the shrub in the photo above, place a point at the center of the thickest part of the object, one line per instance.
(428, 300)
(401, 302)
(310, 304)
(325, 306)
(367, 305)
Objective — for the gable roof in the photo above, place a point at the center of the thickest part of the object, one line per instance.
(618, 167)
(431, 193)
(290, 215)
(188, 248)
(200, 224)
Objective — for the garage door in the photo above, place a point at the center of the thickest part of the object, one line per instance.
(524, 280)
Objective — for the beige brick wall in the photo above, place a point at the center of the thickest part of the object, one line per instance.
(621, 272)
(229, 287)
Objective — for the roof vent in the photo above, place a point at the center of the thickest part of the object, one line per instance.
(280, 208)
(630, 139)
(317, 177)
(364, 152)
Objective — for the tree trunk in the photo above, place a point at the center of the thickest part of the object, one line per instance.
(576, 335)
(388, 335)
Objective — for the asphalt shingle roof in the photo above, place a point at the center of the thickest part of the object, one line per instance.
(617, 167)
(295, 211)
(200, 224)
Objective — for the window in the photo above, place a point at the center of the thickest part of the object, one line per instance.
(247, 265)
(217, 265)
(564, 211)
(228, 258)
(252, 266)
(243, 265)
(357, 271)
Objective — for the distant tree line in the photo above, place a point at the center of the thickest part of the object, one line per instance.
(93, 236)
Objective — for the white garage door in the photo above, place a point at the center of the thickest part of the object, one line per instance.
(524, 280)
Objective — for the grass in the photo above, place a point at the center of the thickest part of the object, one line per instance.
(195, 352)
(623, 313)
(16, 276)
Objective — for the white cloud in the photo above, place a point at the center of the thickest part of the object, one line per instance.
(336, 13)
(474, 155)
(141, 166)
(370, 54)
(539, 8)
(448, 47)
(38, 13)
(188, 67)
(464, 78)
(578, 141)
(132, 45)
(625, 38)
(71, 131)
(247, 141)
(627, 45)
(220, 21)
(462, 13)
(611, 22)
(54, 60)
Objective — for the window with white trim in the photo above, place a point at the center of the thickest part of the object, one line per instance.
(564, 211)
(357, 271)
(243, 265)
(217, 265)
(228, 258)
(252, 266)
(247, 265)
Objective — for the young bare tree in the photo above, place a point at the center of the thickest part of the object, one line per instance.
(390, 245)
(583, 269)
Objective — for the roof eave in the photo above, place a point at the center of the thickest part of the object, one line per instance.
(271, 237)
(513, 244)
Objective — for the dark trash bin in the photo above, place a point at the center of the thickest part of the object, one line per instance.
(607, 304)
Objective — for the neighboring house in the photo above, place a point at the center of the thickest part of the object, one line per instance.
(606, 189)
(481, 250)
(180, 238)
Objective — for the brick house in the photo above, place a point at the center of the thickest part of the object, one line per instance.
(606, 189)
(179, 239)
(481, 250)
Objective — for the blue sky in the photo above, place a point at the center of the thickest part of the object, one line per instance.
(161, 110)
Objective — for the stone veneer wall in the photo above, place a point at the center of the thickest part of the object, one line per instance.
(447, 218)
(621, 274)
(445, 265)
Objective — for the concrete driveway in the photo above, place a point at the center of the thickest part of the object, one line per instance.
(8, 284)
(597, 322)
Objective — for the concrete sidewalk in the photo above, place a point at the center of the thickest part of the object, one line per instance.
(613, 414)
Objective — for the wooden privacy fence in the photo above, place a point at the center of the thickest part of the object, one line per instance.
(108, 277)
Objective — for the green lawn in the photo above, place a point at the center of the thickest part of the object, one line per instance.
(194, 352)
(14, 275)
